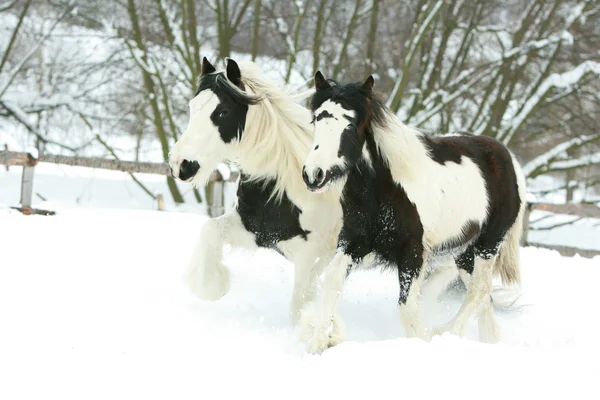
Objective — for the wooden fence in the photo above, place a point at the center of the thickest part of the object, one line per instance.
(216, 200)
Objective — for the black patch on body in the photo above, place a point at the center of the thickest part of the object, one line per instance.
(230, 115)
(270, 220)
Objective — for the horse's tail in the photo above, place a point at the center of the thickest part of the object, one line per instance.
(508, 263)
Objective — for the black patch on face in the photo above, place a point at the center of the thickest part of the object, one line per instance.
(351, 144)
(325, 114)
(270, 220)
(367, 105)
(230, 115)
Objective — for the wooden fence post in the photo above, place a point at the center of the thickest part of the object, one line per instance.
(524, 237)
(160, 202)
(216, 195)
(27, 183)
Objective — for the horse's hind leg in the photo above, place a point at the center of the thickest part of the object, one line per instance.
(475, 270)
(206, 276)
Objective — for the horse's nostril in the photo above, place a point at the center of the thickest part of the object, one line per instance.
(188, 169)
(319, 175)
(304, 175)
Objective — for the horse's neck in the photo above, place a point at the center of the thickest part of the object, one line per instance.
(401, 147)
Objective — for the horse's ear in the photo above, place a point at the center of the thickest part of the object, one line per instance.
(368, 85)
(320, 82)
(233, 73)
(207, 67)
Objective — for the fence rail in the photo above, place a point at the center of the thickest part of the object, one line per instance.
(581, 210)
(25, 159)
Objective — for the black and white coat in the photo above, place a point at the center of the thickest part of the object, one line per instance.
(409, 199)
(239, 115)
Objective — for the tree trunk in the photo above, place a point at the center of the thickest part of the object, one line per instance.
(255, 29)
(371, 39)
(152, 98)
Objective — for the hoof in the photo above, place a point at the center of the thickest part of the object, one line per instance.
(211, 286)
(320, 333)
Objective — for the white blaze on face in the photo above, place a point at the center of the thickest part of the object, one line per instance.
(201, 140)
(329, 124)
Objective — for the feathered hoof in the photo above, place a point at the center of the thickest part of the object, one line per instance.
(211, 286)
(319, 332)
(321, 341)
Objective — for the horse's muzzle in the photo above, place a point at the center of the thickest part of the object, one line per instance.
(187, 170)
(317, 181)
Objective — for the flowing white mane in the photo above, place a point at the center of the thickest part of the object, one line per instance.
(399, 146)
(278, 135)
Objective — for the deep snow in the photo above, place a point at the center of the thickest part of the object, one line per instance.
(92, 306)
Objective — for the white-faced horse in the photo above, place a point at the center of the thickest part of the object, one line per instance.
(239, 115)
(409, 199)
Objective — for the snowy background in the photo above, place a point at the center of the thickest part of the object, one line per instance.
(92, 303)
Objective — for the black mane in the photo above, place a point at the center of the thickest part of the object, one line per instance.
(352, 96)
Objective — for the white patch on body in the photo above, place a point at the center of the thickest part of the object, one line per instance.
(447, 197)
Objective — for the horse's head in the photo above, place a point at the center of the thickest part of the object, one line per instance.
(217, 121)
(340, 116)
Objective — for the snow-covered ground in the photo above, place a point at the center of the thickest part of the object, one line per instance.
(92, 306)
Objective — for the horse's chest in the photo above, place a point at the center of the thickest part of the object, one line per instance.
(379, 218)
(271, 221)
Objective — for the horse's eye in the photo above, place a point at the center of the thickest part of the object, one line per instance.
(349, 127)
(222, 114)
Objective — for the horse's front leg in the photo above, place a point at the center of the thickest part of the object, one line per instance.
(306, 272)
(309, 256)
(206, 276)
(410, 276)
(320, 319)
